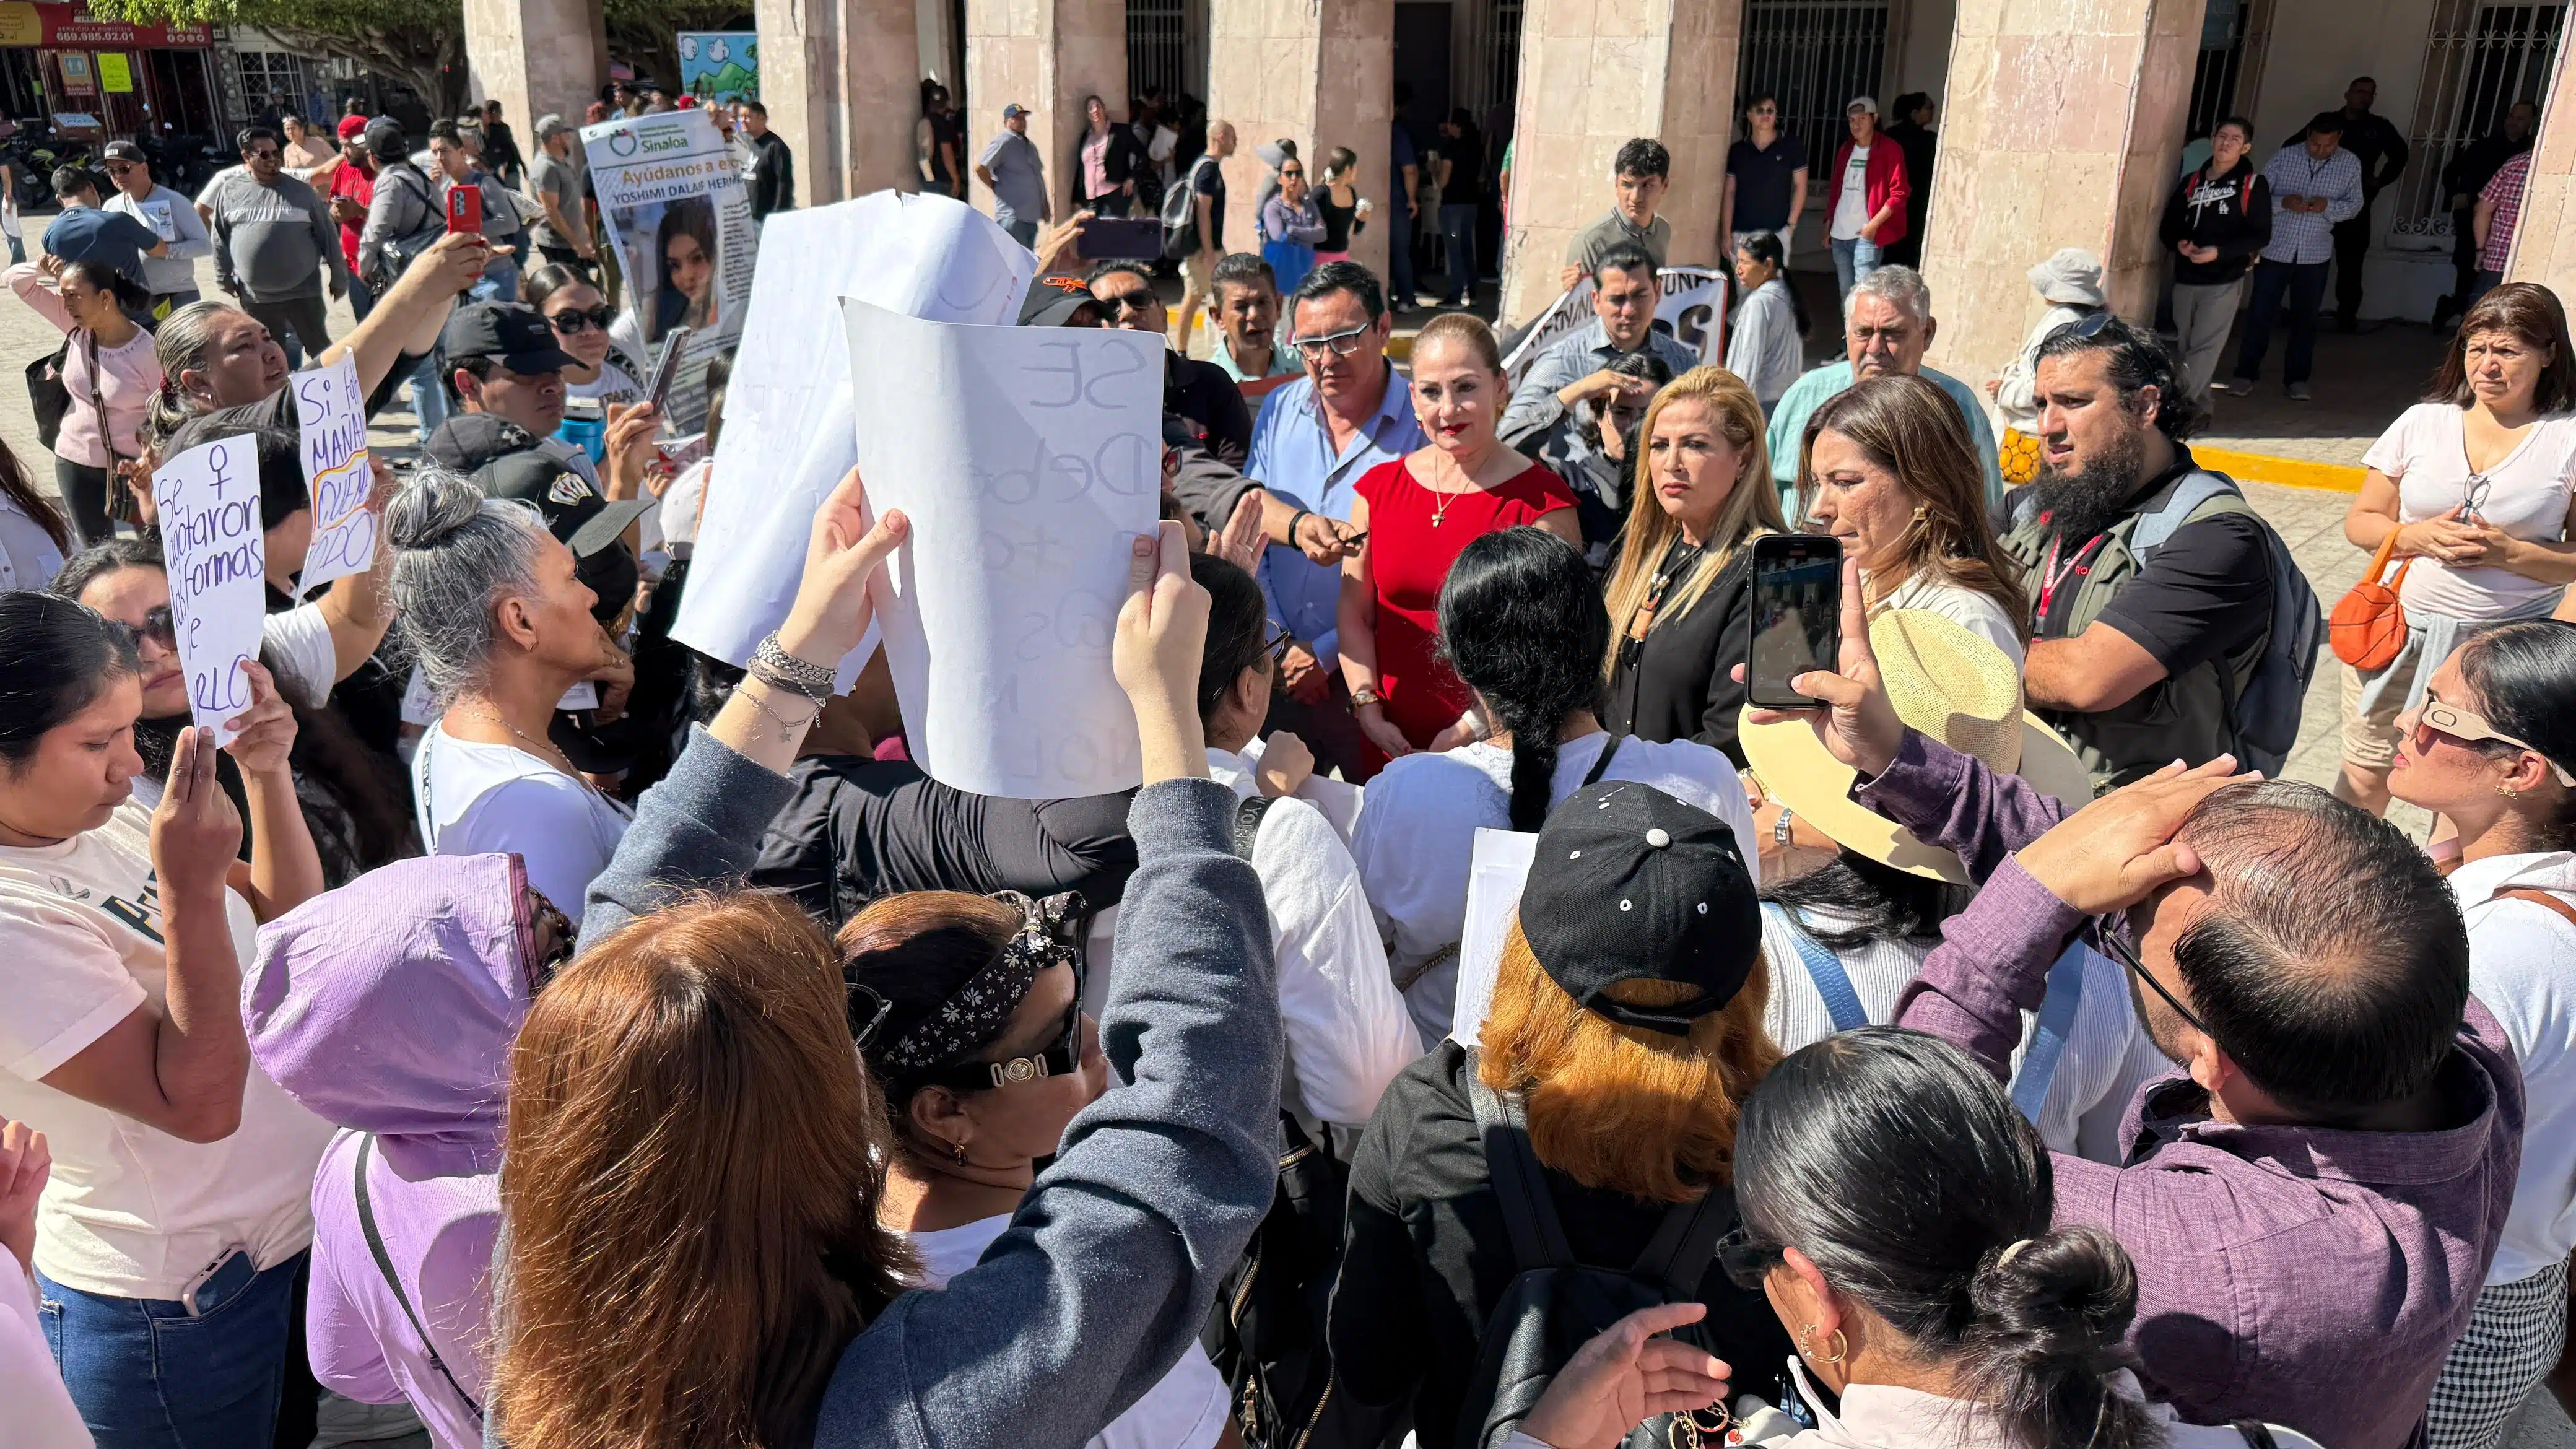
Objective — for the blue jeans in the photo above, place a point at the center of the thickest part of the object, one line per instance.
(1458, 239)
(1853, 260)
(362, 299)
(500, 282)
(428, 397)
(2303, 284)
(1025, 233)
(1399, 259)
(146, 1375)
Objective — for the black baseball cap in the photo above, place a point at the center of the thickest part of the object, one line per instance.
(1630, 884)
(583, 521)
(123, 151)
(512, 334)
(1053, 301)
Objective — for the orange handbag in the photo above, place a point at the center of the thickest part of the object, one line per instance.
(2368, 626)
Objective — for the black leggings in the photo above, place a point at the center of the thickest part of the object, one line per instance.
(84, 491)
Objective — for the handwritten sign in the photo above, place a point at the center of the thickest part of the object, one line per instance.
(211, 540)
(333, 414)
(1027, 460)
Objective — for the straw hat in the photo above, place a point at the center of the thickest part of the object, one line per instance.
(1947, 683)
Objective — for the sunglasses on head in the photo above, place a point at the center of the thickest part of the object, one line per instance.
(571, 320)
(2468, 729)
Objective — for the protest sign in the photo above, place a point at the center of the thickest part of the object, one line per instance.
(1495, 874)
(790, 425)
(720, 65)
(1691, 310)
(331, 411)
(1026, 460)
(217, 555)
(671, 192)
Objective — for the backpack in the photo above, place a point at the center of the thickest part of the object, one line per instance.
(1266, 1332)
(1180, 214)
(2265, 693)
(1554, 1305)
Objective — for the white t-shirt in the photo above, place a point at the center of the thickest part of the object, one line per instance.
(28, 556)
(2426, 453)
(1851, 206)
(1970, 610)
(1185, 1410)
(297, 644)
(476, 798)
(1417, 838)
(131, 1212)
(2522, 965)
(41, 1412)
(613, 385)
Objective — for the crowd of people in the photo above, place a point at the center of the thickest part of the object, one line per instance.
(581, 1042)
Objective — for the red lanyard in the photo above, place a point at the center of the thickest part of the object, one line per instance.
(2053, 574)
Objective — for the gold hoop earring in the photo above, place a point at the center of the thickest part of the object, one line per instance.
(1842, 1345)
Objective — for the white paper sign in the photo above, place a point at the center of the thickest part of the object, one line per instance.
(789, 418)
(1494, 878)
(1028, 460)
(1691, 308)
(208, 499)
(331, 411)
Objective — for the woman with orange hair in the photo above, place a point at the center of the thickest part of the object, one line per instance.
(1625, 1033)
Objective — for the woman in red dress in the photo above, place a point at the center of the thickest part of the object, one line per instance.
(1417, 513)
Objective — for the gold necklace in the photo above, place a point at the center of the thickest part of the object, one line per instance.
(546, 750)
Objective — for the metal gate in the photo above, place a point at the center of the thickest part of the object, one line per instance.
(1166, 47)
(2479, 60)
(1486, 65)
(2233, 34)
(1814, 55)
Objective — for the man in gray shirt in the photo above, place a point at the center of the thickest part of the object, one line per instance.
(554, 182)
(1012, 167)
(272, 236)
(172, 217)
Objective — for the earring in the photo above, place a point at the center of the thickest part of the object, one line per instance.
(2507, 791)
(1842, 1345)
(1918, 512)
(959, 1150)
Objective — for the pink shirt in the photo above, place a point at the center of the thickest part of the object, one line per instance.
(1095, 165)
(128, 376)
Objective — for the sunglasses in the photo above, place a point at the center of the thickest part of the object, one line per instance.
(2116, 943)
(1277, 648)
(2468, 729)
(1136, 300)
(868, 1009)
(1747, 1259)
(1340, 344)
(157, 626)
(262, 154)
(571, 320)
(119, 168)
(1059, 1060)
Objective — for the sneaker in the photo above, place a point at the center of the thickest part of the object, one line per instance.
(2239, 386)
(2298, 392)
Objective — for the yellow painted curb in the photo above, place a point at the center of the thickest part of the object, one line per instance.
(2288, 472)
(1400, 347)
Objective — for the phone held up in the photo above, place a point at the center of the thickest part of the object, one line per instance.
(464, 208)
(1796, 624)
(1120, 239)
(674, 342)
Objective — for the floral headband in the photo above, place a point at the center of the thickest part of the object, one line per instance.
(1050, 934)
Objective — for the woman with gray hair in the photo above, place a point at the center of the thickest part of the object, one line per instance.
(501, 627)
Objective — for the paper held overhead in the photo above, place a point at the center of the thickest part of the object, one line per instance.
(789, 416)
(1027, 460)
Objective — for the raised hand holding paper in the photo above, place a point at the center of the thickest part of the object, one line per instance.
(332, 414)
(211, 540)
(1027, 460)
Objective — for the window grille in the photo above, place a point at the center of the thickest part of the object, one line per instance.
(1814, 55)
(2479, 60)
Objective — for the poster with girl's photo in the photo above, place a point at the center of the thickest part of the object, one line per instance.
(671, 192)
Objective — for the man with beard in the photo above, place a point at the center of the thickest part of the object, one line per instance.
(2139, 650)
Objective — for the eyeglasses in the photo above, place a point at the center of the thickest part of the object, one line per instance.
(1285, 175)
(264, 153)
(1136, 300)
(1277, 648)
(2115, 942)
(1059, 1060)
(1747, 1259)
(868, 1009)
(1340, 344)
(572, 320)
(157, 626)
(2468, 729)
(119, 168)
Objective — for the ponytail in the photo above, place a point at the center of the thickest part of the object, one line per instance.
(1523, 625)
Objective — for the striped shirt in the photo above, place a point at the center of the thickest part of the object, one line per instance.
(2307, 237)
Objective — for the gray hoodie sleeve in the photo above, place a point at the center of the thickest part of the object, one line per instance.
(699, 829)
(1109, 1266)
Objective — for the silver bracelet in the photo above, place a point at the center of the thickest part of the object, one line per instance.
(774, 666)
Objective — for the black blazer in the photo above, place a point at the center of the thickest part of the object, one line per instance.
(1677, 684)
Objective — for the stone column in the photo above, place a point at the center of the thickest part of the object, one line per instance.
(1322, 73)
(837, 76)
(1592, 75)
(1045, 55)
(535, 56)
(2544, 240)
(2061, 126)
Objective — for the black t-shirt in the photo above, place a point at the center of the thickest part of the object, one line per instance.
(1427, 1257)
(1764, 181)
(1201, 393)
(1209, 181)
(1466, 157)
(2207, 592)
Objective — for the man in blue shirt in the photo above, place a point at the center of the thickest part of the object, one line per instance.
(1313, 440)
(2316, 186)
(85, 233)
(1887, 327)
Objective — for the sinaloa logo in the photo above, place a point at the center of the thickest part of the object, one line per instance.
(622, 144)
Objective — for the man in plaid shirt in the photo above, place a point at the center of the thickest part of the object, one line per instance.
(2314, 185)
(2498, 216)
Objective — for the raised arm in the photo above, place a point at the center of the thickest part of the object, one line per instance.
(35, 287)
(285, 869)
(408, 317)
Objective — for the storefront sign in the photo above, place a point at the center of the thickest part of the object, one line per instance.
(114, 75)
(77, 80)
(73, 27)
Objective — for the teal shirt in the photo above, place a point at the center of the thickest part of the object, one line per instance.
(1283, 361)
(1808, 393)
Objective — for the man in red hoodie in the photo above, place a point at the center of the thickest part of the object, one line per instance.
(1870, 191)
(353, 188)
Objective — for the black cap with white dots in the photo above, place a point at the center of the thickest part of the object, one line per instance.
(1630, 884)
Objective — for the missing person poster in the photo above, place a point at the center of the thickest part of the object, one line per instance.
(670, 191)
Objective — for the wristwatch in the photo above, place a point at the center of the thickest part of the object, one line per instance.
(1364, 696)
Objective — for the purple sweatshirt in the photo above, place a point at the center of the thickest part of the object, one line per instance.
(389, 1007)
(2303, 1276)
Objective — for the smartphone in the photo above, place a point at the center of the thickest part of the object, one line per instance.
(674, 342)
(1120, 239)
(1796, 624)
(464, 208)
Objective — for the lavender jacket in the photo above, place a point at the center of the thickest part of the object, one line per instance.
(388, 1006)
(2303, 1276)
